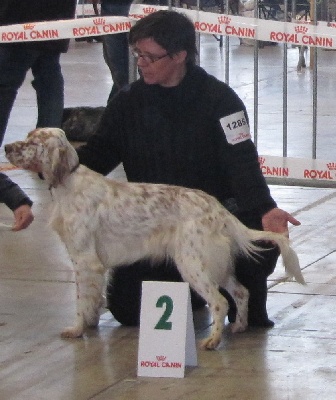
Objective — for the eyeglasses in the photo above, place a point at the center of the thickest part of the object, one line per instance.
(148, 58)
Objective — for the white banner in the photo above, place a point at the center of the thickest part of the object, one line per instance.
(299, 33)
(64, 29)
(306, 169)
(298, 168)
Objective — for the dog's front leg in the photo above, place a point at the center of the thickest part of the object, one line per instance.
(89, 277)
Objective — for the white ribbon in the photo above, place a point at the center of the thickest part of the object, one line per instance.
(298, 33)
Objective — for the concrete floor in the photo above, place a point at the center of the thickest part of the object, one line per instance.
(295, 360)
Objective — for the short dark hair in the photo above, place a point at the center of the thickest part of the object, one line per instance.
(171, 30)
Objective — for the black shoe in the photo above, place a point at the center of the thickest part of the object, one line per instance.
(260, 322)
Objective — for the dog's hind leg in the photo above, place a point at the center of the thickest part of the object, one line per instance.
(240, 295)
(194, 271)
(219, 308)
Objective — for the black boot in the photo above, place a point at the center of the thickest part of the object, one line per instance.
(253, 275)
(257, 312)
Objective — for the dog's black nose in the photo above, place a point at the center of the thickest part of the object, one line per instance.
(7, 148)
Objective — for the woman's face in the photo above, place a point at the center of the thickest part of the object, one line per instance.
(157, 66)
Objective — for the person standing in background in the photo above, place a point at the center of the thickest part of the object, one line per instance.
(115, 46)
(42, 57)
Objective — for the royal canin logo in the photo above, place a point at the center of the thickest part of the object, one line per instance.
(149, 10)
(99, 21)
(301, 29)
(331, 166)
(224, 19)
(28, 26)
(261, 160)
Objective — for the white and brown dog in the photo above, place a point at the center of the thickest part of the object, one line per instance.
(106, 223)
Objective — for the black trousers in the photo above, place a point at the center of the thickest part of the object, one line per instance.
(124, 287)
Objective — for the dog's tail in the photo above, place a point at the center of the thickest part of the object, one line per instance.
(246, 239)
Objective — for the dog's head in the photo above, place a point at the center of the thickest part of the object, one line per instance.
(80, 123)
(45, 151)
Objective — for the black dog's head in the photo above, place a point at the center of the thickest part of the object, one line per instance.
(79, 123)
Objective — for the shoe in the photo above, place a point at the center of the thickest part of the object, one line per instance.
(260, 322)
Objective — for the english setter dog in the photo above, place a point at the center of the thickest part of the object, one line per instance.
(105, 223)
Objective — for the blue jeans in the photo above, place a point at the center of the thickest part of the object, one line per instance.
(48, 83)
(115, 48)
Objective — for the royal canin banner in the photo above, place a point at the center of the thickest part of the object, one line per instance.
(299, 33)
(277, 168)
(298, 169)
(64, 29)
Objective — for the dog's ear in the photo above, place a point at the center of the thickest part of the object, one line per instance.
(61, 162)
(59, 166)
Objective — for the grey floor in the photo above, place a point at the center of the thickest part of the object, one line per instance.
(295, 360)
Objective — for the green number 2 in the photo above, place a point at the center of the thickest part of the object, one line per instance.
(163, 322)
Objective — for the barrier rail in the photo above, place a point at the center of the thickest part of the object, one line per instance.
(277, 170)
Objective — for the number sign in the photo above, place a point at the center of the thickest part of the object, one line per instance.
(167, 338)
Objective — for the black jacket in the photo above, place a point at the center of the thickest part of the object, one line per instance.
(21, 11)
(174, 136)
(11, 194)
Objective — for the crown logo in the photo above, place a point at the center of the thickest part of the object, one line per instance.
(331, 166)
(99, 21)
(161, 358)
(224, 19)
(301, 29)
(148, 10)
(261, 160)
(28, 26)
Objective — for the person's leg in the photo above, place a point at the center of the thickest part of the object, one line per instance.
(115, 49)
(123, 292)
(49, 86)
(15, 61)
(253, 275)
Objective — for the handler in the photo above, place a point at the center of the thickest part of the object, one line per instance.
(179, 125)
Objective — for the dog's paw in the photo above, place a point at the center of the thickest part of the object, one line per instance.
(93, 324)
(72, 332)
(210, 343)
(238, 326)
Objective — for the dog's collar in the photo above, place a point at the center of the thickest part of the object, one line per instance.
(71, 171)
(74, 168)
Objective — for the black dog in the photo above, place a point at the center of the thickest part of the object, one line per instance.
(79, 123)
